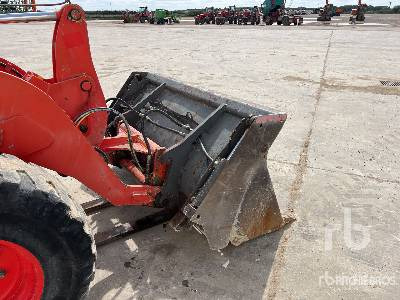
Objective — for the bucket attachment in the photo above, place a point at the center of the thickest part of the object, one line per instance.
(216, 152)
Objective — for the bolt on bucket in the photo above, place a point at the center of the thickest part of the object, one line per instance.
(216, 151)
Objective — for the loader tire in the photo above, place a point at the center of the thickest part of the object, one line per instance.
(44, 233)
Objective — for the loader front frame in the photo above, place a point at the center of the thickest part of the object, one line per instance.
(37, 114)
(199, 156)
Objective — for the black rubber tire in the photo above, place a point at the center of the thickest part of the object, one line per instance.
(37, 213)
(286, 21)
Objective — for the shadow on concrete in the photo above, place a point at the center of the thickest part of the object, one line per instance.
(160, 263)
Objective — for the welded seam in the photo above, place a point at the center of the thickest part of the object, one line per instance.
(295, 190)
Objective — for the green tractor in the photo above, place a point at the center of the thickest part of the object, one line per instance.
(163, 16)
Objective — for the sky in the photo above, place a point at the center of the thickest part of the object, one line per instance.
(184, 4)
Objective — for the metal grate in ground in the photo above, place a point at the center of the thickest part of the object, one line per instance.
(390, 83)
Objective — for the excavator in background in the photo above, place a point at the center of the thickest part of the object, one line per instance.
(358, 13)
(274, 11)
(325, 13)
(198, 159)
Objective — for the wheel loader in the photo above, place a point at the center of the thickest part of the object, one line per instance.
(198, 159)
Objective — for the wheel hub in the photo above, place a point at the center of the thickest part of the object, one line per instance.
(21, 275)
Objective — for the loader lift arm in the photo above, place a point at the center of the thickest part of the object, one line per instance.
(47, 117)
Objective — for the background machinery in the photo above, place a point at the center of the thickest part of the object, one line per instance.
(222, 16)
(249, 16)
(163, 16)
(232, 16)
(227, 15)
(142, 15)
(338, 11)
(274, 12)
(200, 159)
(358, 14)
(207, 17)
(325, 13)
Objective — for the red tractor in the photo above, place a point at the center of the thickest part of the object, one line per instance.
(141, 16)
(221, 17)
(227, 15)
(206, 18)
(144, 14)
(251, 16)
(233, 15)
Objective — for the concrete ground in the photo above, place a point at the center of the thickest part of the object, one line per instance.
(336, 163)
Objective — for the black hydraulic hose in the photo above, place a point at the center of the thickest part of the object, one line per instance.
(146, 140)
(145, 115)
(177, 122)
(87, 113)
(164, 127)
(123, 101)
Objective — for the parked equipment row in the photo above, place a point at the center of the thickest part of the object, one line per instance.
(271, 11)
(159, 16)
